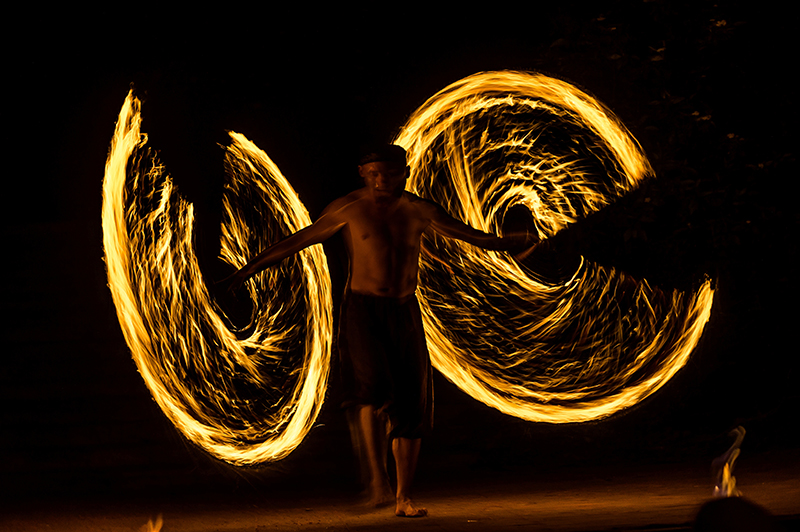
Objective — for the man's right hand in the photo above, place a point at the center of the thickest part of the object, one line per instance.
(234, 281)
(522, 244)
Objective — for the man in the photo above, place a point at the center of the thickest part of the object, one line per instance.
(385, 364)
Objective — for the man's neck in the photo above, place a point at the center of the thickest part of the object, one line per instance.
(385, 200)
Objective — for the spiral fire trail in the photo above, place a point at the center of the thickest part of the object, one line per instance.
(565, 350)
(246, 396)
(576, 348)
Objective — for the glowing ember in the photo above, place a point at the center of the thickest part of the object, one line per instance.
(245, 396)
(150, 526)
(558, 350)
(725, 482)
(565, 350)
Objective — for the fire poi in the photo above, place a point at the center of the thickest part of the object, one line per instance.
(577, 348)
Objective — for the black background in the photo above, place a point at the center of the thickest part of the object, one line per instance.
(705, 87)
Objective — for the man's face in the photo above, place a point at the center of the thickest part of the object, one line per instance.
(384, 180)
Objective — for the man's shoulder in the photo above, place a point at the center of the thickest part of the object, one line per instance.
(425, 205)
(343, 202)
(416, 200)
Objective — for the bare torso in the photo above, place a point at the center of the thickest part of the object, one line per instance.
(382, 226)
(383, 242)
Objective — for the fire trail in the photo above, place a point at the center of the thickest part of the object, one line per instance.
(576, 348)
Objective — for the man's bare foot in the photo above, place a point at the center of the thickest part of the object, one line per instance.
(406, 508)
(380, 497)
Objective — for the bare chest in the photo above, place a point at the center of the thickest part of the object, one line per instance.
(390, 227)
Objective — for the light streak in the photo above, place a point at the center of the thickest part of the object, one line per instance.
(561, 350)
(151, 526)
(246, 396)
(724, 481)
(565, 350)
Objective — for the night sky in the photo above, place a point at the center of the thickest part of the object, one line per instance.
(705, 87)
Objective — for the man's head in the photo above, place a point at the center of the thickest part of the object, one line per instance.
(384, 171)
(387, 153)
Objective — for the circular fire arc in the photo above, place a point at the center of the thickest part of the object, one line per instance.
(567, 350)
(198, 369)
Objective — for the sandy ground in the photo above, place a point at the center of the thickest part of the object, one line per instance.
(658, 497)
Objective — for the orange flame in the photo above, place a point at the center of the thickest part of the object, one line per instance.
(723, 467)
(480, 147)
(193, 363)
(151, 526)
(496, 329)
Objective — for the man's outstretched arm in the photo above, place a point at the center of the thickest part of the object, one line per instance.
(329, 222)
(519, 243)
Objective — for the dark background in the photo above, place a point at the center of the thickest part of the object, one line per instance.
(704, 86)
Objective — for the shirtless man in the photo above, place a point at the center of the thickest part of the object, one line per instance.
(385, 363)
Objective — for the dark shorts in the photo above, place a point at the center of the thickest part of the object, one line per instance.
(385, 362)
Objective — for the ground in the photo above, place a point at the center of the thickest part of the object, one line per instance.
(622, 498)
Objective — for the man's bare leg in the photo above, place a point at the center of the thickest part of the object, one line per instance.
(406, 452)
(373, 431)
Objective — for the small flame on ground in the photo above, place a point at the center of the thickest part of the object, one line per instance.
(150, 526)
(725, 482)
